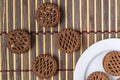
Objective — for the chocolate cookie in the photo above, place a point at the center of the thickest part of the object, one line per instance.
(111, 63)
(18, 41)
(68, 40)
(97, 76)
(118, 79)
(44, 66)
(48, 15)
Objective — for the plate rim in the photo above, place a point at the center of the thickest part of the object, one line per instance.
(85, 53)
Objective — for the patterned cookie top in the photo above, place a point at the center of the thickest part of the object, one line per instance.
(97, 76)
(44, 66)
(68, 40)
(48, 15)
(111, 63)
(18, 41)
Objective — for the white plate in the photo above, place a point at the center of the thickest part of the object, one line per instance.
(91, 60)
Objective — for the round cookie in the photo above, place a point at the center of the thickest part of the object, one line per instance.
(18, 41)
(44, 66)
(118, 79)
(48, 15)
(111, 63)
(97, 76)
(68, 40)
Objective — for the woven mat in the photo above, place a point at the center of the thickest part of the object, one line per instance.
(95, 19)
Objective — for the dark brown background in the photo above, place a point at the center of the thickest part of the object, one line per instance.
(94, 19)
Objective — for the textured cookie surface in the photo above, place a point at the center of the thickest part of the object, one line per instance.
(68, 40)
(97, 76)
(44, 66)
(18, 41)
(48, 15)
(111, 63)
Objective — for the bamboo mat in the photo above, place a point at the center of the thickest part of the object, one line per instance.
(95, 19)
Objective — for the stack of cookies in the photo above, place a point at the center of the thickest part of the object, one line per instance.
(111, 65)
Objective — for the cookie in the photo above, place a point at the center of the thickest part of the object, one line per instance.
(68, 40)
(44, 66)
(97, 76)
(118, 79)
(111, 63)
(18, 41)
(48, 15)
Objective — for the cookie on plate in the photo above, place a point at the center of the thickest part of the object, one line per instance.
(97, 76)
(44, 66)
(68, 40)
(111, 63)
(48, 15)
(18, 41)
